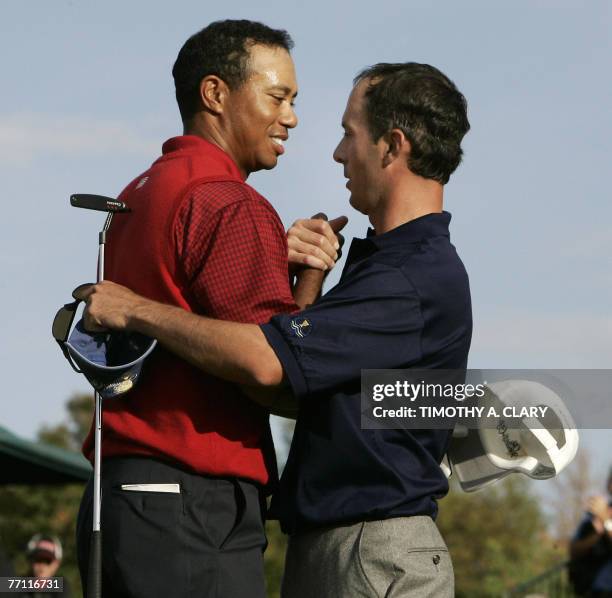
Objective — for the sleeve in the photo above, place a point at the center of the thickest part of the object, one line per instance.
(371, 320)
(233, 251)
(585, 528)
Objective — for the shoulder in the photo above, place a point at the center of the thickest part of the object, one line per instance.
(585, 527)
(227, 210)
(220, 194)
(211, 202)
(434, 264)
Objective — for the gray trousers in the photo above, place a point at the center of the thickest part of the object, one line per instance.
(391, 558)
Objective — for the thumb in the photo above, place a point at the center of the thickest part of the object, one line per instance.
(337, 224)
(83, 291)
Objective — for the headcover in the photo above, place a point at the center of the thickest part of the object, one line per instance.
(111, 361)
(538, 447)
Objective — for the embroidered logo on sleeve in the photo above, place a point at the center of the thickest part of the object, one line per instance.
(142, 182)
(301, 327)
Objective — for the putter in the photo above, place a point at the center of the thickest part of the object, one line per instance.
(94, 573)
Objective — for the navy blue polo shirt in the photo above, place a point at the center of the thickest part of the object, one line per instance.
(403, 301)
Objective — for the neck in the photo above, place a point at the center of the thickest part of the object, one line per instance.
(211, 131)
(406, 200)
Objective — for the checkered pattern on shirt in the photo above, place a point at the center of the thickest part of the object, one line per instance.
(232, 247)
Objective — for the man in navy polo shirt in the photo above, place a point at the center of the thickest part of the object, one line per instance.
(359, 504)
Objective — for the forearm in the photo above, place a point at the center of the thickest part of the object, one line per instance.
(233, 351)
(307, 287)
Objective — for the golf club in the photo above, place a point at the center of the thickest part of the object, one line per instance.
(94, 574)
(100, 203)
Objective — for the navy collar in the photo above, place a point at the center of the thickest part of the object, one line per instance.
(415, 231)
(430, 225)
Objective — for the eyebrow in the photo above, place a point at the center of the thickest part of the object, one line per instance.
(283, 88)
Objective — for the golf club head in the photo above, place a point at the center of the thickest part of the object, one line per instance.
(100, 203)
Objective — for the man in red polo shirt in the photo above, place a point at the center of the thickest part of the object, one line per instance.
(186, 455)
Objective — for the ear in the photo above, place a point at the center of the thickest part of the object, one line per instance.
(213, 94)
(398, 147)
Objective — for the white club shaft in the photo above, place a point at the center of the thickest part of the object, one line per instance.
(97, 462)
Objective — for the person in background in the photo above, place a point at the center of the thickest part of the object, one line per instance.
(591, 548)
(45, 557)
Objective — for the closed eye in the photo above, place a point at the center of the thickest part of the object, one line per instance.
(281, 99)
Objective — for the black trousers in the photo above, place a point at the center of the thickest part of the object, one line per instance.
(206, 541)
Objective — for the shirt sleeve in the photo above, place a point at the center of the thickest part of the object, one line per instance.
(233, 251)
(584, 529)
(372, 320)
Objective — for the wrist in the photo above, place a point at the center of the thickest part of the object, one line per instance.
(141, 316)
(311, 274)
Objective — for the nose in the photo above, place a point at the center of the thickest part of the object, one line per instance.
(338, 154)
(289, 117)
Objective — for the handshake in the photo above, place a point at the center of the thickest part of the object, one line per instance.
(315, 242)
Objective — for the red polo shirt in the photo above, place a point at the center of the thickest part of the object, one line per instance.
(200, 238)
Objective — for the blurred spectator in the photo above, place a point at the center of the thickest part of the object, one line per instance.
(45, 556)
(591, 549)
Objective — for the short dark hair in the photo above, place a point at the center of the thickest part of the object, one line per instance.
(426, 105)
(221, 49)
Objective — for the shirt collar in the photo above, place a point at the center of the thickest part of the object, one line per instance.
(415, 231)
(430, 225)
(198, 145)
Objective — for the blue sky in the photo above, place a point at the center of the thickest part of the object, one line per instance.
(87, 99)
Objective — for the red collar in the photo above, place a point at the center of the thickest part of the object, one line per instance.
(177, 146)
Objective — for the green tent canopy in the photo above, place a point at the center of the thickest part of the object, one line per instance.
(27, 462)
